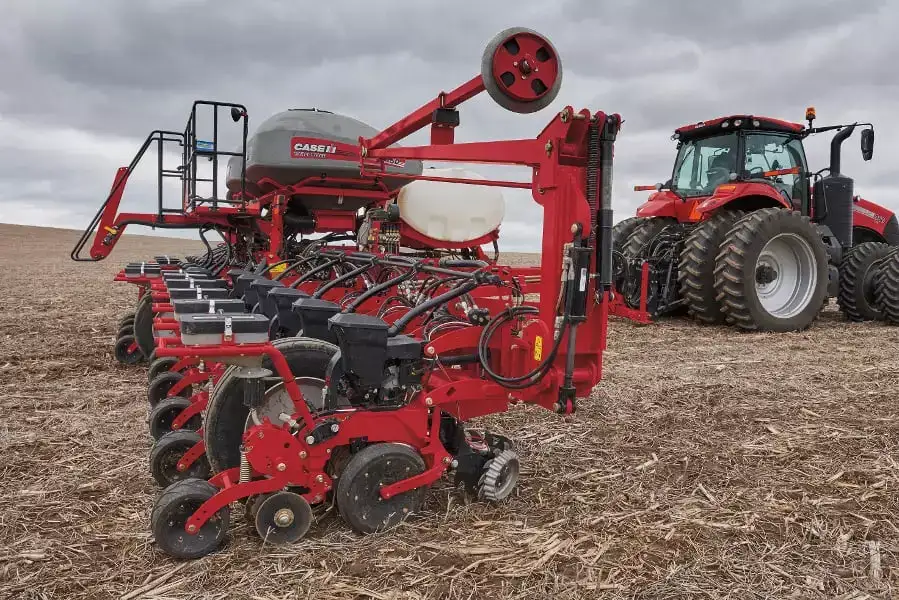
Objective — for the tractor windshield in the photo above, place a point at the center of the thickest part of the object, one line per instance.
(704, 164)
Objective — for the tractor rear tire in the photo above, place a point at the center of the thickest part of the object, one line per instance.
(857, 298)
(886, 288)
(634, 246)
(696, 271)
(771, 273)
(620, 232)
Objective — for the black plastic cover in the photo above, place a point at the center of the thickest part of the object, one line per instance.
(243, 282)
(403, 347)
(198, 324)
(167, 260)
(204, 293)
(149, 270)
(363, 345)
(279, 301)
(262, 287)
(314, 314)
(182, 284)
(194, 306)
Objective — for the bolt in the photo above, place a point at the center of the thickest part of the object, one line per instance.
(320, 478)
(310, 440)
(446, 460)
(430, 350)
(429, 401)
(335, 428)
(260, 435)
(303, 454)
(281, 467)
(549, 148)
(454, 464)
(192, 528)
(284, 517)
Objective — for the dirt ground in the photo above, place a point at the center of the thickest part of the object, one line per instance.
(707, 464)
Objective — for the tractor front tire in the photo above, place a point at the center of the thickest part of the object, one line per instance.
(857, 274)
(886, 288)
(696, 271)
(771, 272)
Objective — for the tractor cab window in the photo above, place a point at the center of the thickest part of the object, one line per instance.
(767, 153)
(704, 164)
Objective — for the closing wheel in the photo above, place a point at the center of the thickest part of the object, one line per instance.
(771, 272)
(282, 517)
(128, 319)
(125, 330)
(166, 453)
(161, 384)
(171, 512)
(359, 499)
(857, 273)
(164, 414)
(521, 70)
(499, 477)
(126, 351)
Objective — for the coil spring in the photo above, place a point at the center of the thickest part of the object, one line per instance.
(245, 471)
(592, 178)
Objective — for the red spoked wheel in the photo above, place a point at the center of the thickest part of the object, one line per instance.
(521, 70)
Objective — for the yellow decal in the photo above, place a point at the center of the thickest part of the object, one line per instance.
(538, 347)
(278, 270)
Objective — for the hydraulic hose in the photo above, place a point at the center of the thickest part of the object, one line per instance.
(535, 375)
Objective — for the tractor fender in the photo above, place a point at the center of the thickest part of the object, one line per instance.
(742, 196)
(878, 222)
(659, 204)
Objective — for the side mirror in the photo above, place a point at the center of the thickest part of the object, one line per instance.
(236, 114)
(867, 143)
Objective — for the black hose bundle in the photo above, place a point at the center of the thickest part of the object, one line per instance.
(528, 379)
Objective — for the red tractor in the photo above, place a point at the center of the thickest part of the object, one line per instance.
(745, 233)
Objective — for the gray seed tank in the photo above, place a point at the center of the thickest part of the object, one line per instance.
(293, 145)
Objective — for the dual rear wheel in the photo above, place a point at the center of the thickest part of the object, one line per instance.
(766, 270)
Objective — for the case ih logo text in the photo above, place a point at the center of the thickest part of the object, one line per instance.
(321, 149)
(304, 149)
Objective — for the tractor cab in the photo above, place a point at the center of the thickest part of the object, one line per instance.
(739, 150)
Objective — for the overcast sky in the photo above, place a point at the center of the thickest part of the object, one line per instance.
(85, 81)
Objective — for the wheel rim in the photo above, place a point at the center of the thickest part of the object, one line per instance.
(278, 401)
(786, 275)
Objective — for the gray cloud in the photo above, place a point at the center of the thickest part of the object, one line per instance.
(87, 81)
